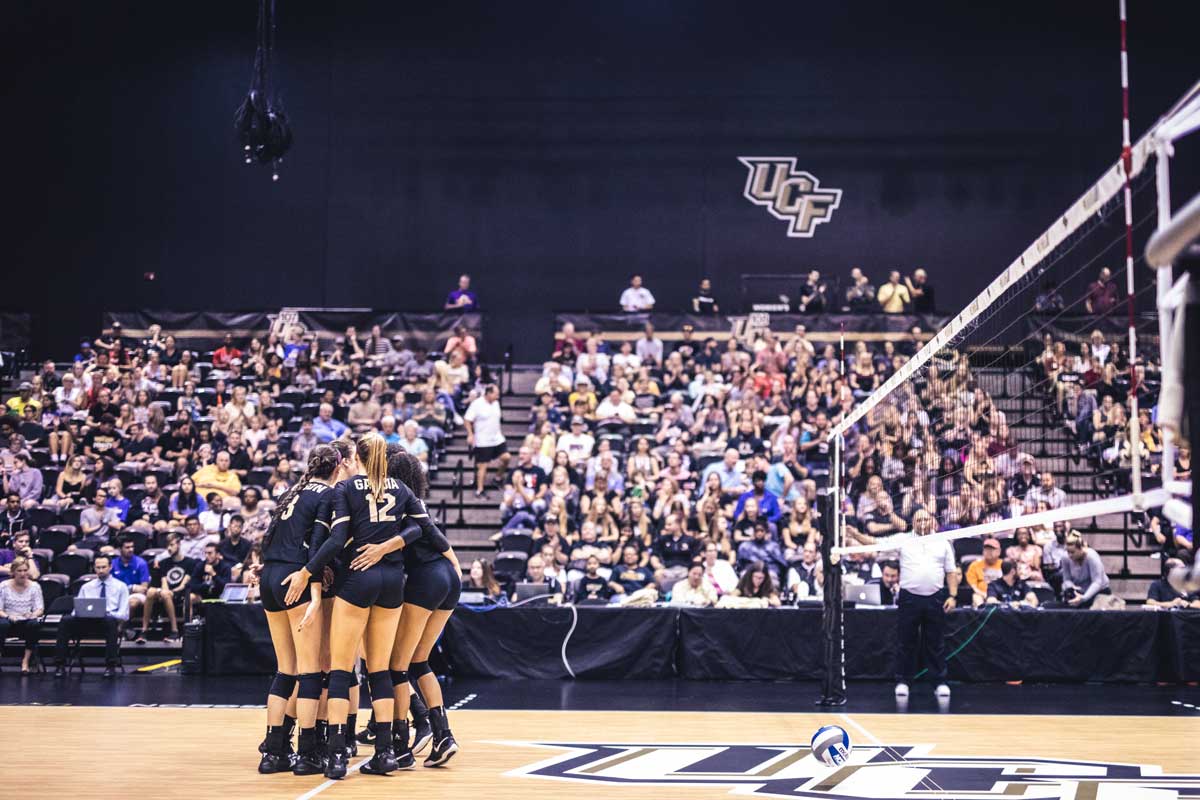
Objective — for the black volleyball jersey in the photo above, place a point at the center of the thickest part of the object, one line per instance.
(308, 513)
(360, 518)
(422, 550)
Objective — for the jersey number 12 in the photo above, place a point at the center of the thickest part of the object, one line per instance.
(381, 513)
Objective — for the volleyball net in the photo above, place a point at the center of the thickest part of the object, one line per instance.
(1034, 407)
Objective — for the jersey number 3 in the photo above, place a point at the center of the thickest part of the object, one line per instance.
(291, 507)
(381, 513)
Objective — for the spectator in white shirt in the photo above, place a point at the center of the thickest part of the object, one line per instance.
(614, 410)
(578, 443)
(693, 590)
(485, 434)
(637, 297)
(929, 579)
(650, 350)
(718, 572)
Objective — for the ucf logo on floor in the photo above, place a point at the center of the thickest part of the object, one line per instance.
(899, 772)
(789, 194)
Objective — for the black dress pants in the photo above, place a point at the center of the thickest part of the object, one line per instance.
(921, 630)
(71, 626)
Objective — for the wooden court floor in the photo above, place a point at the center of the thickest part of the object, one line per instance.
(209, 752)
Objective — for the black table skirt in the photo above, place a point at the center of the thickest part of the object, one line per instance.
(772, 644)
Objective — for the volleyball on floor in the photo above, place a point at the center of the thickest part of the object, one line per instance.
(831, 744)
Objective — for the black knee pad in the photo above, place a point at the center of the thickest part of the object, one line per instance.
(399, 677)
(381, 684)
(310, 686)
(417, 669)
(283, 685)
(340, 681)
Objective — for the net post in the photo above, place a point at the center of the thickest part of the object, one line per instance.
(829, 503)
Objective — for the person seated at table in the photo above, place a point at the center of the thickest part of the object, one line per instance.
(1169, 591)
(209, 576)
(592, 588)
(1083, 573)
(115, 595)
(984, 570)
(1009, 589)
(693, 591)
(756, 583)
(535, 572)
(629, 576)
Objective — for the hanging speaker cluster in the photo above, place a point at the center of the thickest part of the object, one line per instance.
(262, 126)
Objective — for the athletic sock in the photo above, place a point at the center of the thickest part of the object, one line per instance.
(308, 740)
(322, 730)
(383, 736)
(351, 725)
(337, 739)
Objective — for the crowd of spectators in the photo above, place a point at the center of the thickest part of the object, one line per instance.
(166, 461)
(815, 294)
(647, 457)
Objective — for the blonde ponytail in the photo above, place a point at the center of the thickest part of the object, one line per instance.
(372, 453)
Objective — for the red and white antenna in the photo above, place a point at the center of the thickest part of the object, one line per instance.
(1127, 161)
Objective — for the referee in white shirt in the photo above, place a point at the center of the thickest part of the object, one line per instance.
(929, 578)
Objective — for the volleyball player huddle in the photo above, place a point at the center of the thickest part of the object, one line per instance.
(353, 565)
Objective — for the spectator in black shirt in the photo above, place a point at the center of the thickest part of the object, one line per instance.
(1008, 589)
(104, 440)
(889, 582)
(672, 554)
(628, 576)
(240, 460)
(921, 292)
(169, 579)
(1169, 591)
(1024, 480)
(709, 356)
(152, 512)
(209, 576)
(746, 442)
(13, 518)
(592, 588)
(812, 294)
(104, 406)
(233, 548)
(704, 303)
(30, 428)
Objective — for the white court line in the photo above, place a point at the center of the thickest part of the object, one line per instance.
(1185, 705)
(462, 702)
(314, 792)
(873, 739)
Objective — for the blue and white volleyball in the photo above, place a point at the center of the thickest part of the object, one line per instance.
(831, 745)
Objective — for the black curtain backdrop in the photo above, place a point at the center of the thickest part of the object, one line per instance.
(548, 148)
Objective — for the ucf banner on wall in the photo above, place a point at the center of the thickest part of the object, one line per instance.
(205, 330)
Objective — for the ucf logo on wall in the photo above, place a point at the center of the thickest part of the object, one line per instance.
(899, 772)
(789, 194)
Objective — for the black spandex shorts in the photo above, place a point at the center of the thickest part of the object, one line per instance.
(434, 586)
(382, 585)
(271, 588)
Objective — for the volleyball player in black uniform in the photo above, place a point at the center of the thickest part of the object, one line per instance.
(308, 504)
(367, 509)
(433, 585)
